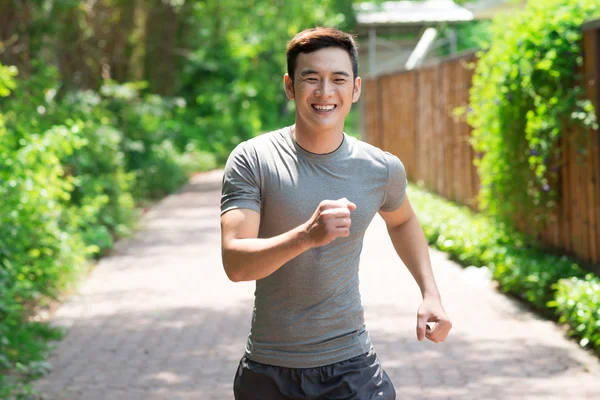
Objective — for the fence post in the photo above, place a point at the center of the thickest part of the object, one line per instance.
(591, 73)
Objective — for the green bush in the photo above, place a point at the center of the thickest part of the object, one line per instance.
(41, 252)
(195, 160)
(578, 302)
(526, 96)
(156, 150)
(72, 168)
(32, 107)
(7, 82)
(100, 200)
(151, 130)
(481, 244)
(553, 285)
(159, 171)
(100, 186)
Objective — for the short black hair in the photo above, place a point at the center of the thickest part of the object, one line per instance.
(313, 39)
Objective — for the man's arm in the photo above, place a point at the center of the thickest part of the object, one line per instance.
(409, 241)
(247, 257)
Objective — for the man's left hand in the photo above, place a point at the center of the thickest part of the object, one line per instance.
(431, 310)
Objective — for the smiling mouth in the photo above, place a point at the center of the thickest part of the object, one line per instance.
(324, 108)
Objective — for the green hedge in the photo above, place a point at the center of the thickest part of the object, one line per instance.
(556, 286)
(579, 303)
(527, 94)
(74, 169)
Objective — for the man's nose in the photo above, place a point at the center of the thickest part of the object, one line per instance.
(325, 89)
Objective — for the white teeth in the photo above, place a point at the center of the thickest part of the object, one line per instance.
(324, 108)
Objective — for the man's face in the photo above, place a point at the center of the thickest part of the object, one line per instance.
(323, 88)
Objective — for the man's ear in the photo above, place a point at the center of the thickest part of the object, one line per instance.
(288, 84)
(356, 90)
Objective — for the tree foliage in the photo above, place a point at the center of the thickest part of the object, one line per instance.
(527, 95)
(225, 58)
(115, 102)
(104, 105)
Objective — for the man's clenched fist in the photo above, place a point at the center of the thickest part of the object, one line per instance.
(330, 220)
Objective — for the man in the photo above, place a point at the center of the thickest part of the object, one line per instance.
(295, 206)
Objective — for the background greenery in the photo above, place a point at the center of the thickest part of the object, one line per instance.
(108, 105)
(527, 94)
(555, 286)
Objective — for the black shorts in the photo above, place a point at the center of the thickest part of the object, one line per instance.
(359, 378)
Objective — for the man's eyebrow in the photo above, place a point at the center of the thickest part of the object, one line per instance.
(342, 73)
(305, 72)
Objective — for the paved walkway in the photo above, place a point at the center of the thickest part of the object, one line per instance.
(159, 320)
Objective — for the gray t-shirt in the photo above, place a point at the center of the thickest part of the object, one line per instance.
(308, 313)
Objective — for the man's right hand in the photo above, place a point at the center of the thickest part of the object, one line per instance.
(330, 220)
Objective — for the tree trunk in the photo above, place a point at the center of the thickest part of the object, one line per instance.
(15, 20)
(160, 65)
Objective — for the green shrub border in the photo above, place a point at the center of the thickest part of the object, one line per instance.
(558, 287)
(75, 172)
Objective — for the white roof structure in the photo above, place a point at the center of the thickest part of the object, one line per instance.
(487, 9)
(411, 12)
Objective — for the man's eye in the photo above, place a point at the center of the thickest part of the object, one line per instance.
(340, 80)
(311, 80)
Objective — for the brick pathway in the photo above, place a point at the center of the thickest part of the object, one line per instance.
(159, 320)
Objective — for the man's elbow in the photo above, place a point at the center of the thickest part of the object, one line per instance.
(233, 275)
(231, 269)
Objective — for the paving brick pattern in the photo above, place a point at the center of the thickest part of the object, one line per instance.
(158, 319)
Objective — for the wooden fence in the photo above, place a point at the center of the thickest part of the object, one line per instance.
(410, 114)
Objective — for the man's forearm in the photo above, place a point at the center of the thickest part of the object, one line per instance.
(252, 259)
(411, 245)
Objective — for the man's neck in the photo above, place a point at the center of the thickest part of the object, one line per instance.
(318, 142)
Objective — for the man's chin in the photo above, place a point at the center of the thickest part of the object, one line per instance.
(327, 127)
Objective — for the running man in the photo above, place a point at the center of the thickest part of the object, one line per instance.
(295, 206)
